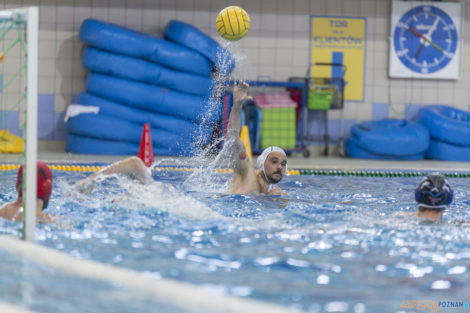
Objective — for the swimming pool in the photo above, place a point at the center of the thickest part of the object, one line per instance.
(334, 245)
(26, 283)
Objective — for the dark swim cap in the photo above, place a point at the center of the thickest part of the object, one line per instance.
(44, 183)
(434, 191)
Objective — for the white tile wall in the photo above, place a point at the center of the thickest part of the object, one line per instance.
(15, 86)
(397, 91)
(285, 7)
(267, 56)
(380, 77)
(285, 24)
(380, 95)
(461, 96)
(61, 102)
(12, 65)
(65, 12)
(46, 84)
(416, 92)
(316, 7)
(268, 22)
(367, 8)
(277, 46)
(301, 26)
(63, 86)
(117, 15)
(334, 7)
(48, 14)
(283, 57)
(80, 13)
(396, 110)
(101, 13)
(351, 8)
(429, 95)
(13, 99)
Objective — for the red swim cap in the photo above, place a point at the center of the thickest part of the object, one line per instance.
(44, 182)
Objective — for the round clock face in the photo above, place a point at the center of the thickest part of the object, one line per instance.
(425, 39)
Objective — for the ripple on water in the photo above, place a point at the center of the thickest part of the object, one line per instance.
(335, 232)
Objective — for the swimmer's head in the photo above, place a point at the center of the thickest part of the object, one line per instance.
(44, 183)
(273, 163)
(434, 192)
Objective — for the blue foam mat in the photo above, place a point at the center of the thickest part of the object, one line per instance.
(355, 151)
(141, 70)
(391, 137)
(88, 145)
(187, 35)
(111, 128)
(121, 40)
(439, 150)
(447, 124)
(153, 98)
(184, 128)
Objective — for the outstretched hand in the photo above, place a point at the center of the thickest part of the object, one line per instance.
(240, 92)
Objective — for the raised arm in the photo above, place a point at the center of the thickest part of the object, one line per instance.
(234, 122)
(239, 158)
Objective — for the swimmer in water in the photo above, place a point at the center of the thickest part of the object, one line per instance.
(134, 167)
(433, 195)
(272, 163)
(13, 210)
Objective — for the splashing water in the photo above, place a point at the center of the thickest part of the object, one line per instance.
(205, 164)
(330, 234)
(166, 198)
(121, 190)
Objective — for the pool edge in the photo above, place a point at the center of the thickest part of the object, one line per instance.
(166, 290)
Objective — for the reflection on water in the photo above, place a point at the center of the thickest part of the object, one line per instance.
(334, 245)
(24, 283)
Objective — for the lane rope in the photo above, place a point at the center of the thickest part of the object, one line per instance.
(291, 172)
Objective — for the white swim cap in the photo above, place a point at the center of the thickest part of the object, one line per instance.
(263, 156)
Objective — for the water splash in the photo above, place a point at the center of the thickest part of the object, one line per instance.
(343, 231)
(217, 154)
(166, 198)
(121, 191)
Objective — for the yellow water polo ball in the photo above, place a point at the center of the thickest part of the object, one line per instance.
(233, 23)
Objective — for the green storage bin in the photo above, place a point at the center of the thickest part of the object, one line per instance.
(320, 98)
(278, 128)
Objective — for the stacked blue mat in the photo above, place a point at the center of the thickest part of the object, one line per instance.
(136, 78)
(450, 132)
(388, 140)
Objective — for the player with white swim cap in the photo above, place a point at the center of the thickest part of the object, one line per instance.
(272, 163)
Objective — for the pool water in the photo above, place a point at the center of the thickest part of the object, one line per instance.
(30, 285)
(335, 244)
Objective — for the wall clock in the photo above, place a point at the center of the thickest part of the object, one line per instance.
(426, 39)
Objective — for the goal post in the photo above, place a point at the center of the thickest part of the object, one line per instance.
(30, 136)
(19, 32)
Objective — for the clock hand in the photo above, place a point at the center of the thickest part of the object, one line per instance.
(428, 35)
(425, 39)
(419, 50)
(433, 28)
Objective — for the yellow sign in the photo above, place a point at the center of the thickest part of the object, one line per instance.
(339, 40)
